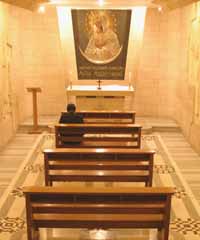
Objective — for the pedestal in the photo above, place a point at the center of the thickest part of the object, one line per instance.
(34, 92)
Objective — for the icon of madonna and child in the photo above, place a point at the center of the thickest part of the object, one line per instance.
(103, 45)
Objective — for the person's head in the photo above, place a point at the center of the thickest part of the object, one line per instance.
(71, 107)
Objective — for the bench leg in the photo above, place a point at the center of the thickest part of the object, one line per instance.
(48, 183)
(163, 234)
(36, 234)
(160, 233)
(29, 233)
(33, 233)
(148, 184)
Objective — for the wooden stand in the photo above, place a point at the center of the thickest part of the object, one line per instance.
(34, 91)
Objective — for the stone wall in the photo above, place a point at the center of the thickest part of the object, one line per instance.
(43, 66)
(187, 85)
(155, 85)
(36, 60)
(9, 117)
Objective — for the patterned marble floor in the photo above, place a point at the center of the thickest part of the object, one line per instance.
(12, 156)
(187, 160)
(185, 221)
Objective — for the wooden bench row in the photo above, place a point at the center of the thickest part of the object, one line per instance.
(98, 135)
(107, 116)
(97, 208)
(116, 207)
(98, 165)
(105, 207)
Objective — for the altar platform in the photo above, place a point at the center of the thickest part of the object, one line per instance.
(101, 97)
(105, 90)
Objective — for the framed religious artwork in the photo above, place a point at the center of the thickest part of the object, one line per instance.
(101, 42)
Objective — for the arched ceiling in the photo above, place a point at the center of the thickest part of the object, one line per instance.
(167, 4)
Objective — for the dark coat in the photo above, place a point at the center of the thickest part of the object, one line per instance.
(71, 118)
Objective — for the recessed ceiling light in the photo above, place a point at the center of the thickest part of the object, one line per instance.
(101, 3)
(41, 9)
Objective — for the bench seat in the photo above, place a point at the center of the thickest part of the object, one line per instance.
(101, 165)
(98, 176)
(98, 208)
(98, 135)
(98, 220)
(107, 116)
(101, 144)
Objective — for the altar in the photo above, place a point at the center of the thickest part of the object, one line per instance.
(109, 97)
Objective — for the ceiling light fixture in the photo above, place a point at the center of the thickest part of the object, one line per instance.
(159, 8)
(101, 3)
(41, 9)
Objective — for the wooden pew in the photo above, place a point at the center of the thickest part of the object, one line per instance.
(98, 135)
(107, 116)
(101, 165)
(97, 208)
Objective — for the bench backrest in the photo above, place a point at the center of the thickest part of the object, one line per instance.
(105, 207)
(98, 134)
(135, 165)
(107, 116)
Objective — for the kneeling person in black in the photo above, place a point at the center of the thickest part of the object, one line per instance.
(71, 117)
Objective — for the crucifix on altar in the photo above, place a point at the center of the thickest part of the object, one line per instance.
(99, 84)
